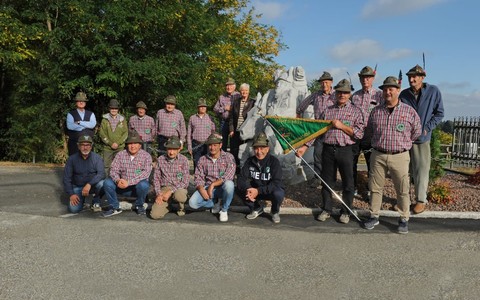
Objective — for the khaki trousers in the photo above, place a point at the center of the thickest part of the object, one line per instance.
(160, 210)
(397, 166)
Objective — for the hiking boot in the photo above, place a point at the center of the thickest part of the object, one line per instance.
(216, 208)
(402, 226)
(419, 208)
(276, 218)
(180, 213)
(223, 216)
(254, 214)
(344, 218)
(96, 207)
(371, 223)
(323, 216)
(141, 210)
(111, 212)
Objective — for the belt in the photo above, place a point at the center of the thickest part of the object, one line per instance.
(390, 152)
(336, 145)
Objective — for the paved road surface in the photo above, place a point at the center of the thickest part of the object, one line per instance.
(46, 256)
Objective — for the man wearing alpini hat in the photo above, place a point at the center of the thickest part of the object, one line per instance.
(170, 122)
(366, 99)
(223, 107)
(113, 133)
(393, 127)
(214, 179)
(144, 125)
(200, 126)
(171, 178)
(84, 175)
(261, 179)
(347, 127)
(80, 122)
(320, 100)
(129, 175)
(427, 101)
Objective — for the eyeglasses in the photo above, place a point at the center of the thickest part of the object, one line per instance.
(86, 145)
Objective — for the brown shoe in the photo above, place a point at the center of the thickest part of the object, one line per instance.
(419, 208)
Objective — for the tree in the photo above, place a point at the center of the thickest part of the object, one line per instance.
(127, 49)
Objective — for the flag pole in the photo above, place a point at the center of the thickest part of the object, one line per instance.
(311, 168)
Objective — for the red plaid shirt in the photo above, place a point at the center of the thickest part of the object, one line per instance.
(208, 171)
(145, 127)
(351, 116)
(173, 173)
(394, 132)
(367, 101)
(320, 102)
(199, 129)
(171, 124)
(223, 101)
(133, 170)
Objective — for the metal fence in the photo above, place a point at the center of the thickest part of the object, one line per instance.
(466, 142)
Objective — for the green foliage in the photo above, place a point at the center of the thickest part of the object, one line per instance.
(128, 49)
(440, 193)
(436, 167)
(446, 126)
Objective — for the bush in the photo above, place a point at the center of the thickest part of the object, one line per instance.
(436, 167)
(440, 193)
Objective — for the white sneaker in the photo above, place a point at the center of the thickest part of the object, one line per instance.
(223, 216)
(216, 208)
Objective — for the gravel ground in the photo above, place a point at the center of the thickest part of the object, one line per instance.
(465, 195)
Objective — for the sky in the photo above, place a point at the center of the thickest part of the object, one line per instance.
(344, 36)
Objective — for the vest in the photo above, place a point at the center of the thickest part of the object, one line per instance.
(72, 134)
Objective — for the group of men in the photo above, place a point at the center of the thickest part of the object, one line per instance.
(393, 129)
(126, 170)
(391, 126)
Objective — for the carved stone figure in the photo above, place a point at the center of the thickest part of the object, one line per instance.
(290, 89)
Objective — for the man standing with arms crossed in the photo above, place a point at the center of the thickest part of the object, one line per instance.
(223, 107)
(426, 99)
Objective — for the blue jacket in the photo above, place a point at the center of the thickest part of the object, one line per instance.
(429, 107)
(79, 171)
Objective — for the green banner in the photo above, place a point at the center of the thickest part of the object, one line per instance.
(297, 131)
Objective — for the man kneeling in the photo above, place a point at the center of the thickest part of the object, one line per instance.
(171, 179)
(261, 179)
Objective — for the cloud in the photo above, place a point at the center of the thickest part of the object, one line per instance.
(453, 85)
(365, 49)
(385, 8)
(456, 105)
(270, 10)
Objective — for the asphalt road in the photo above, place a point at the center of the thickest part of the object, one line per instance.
(46, 253)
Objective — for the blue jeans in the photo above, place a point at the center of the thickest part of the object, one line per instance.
(140, 190)
(77, 190)
(225, 191)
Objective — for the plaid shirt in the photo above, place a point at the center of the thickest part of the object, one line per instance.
(320, 102)
(394, 132)
(134, 171)
(199, 129)
(351, 116)
(223, 101)
(208, 171)
(145, 127)
(171, 124)
(173, 173)
(366, 101)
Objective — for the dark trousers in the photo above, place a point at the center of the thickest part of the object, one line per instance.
(198, 149)
(235, 143)
(161, 140)
(276, 197)
(147, 147)
(225, 130)
(317, 155)
(357, 149)
(341, 158)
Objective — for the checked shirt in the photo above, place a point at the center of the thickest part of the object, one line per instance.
(367, 101)
(133, 170)
(199, 129)
(208, 171)
(145, 127)
(320, 102)
(173, 173)
(351, 116)
(171, 124)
